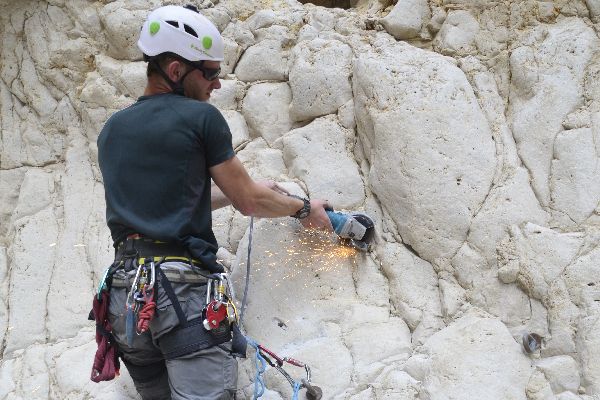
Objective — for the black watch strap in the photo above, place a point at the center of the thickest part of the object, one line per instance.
(304, 211)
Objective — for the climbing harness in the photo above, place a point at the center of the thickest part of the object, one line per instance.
(145, 256)
(265, 356)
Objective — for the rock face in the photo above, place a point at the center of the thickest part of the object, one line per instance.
(406, 103)
(470, 131)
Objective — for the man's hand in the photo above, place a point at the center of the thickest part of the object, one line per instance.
(274, 186)
(317, 219)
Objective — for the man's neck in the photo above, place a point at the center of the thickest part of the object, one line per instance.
(156, 85)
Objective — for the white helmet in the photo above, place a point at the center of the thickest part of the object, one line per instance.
(182, 31)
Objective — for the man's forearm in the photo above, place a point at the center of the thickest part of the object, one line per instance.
(269, 203)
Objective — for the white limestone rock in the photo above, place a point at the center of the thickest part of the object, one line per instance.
(3, 296)
(395, 384)
(261, 19)
(231, 55)
(583, 280)
(10, 182)
(35, 382)
(413, 284)
(434, 160)
(438, 15)
(237, 125)
(569, 396)
(457, 370)
(542, 255)
(323, 19)
(346, 115)
(366, 277)
(407, 18)
(562, 372)
(229, 95)
(563, 317)
(538, 387)
(97, 92)
(308, 273)
(330, 362)
(489, 92)
(265, 108)
(546, 91)
(511, 203)
(24, 140)
(484, 290)
(36, 193)
(129, 78)
(336, 177)
(574, 184)
(72, 268)
(457, 34)
(581, 118)
(57, 52)
(263, 162)
(268, 58)
(452, 296)
(217, 15)
(393, 337)
(9, 383)
(319, 78)
(33, 252)
(241, 35)
(122, 21)
(589, 348)
(221, 226)
(594, 9)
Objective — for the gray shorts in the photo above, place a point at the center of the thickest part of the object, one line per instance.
(207, 374)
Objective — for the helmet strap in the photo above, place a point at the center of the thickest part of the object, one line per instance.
(177, 87)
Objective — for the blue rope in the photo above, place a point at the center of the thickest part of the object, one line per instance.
(297, 387)
(261, 366)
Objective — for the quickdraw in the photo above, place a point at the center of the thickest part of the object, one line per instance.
(312, 392)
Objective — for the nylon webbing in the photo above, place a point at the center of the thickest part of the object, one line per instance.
(166, 285)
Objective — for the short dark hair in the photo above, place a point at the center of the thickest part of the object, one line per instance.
(161, 61)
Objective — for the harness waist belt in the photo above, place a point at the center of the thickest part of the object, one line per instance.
(179, 276)
(141, 247)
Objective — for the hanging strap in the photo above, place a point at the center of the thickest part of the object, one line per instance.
(166, 285)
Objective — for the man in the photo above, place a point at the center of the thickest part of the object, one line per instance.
(157, 159)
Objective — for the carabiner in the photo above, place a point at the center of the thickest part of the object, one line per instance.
(133, 286)
(152, 274)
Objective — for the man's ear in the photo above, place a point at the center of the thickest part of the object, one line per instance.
(175, 70)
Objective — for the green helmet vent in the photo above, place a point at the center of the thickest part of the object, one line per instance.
(154, 27)
(207, 42)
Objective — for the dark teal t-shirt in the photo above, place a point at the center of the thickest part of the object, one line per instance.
(155, 157)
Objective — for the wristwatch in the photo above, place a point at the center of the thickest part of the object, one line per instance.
(304, 211)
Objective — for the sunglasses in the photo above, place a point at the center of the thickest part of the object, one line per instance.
(210, 74)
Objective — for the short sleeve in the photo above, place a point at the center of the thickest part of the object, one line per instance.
(217, 138)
